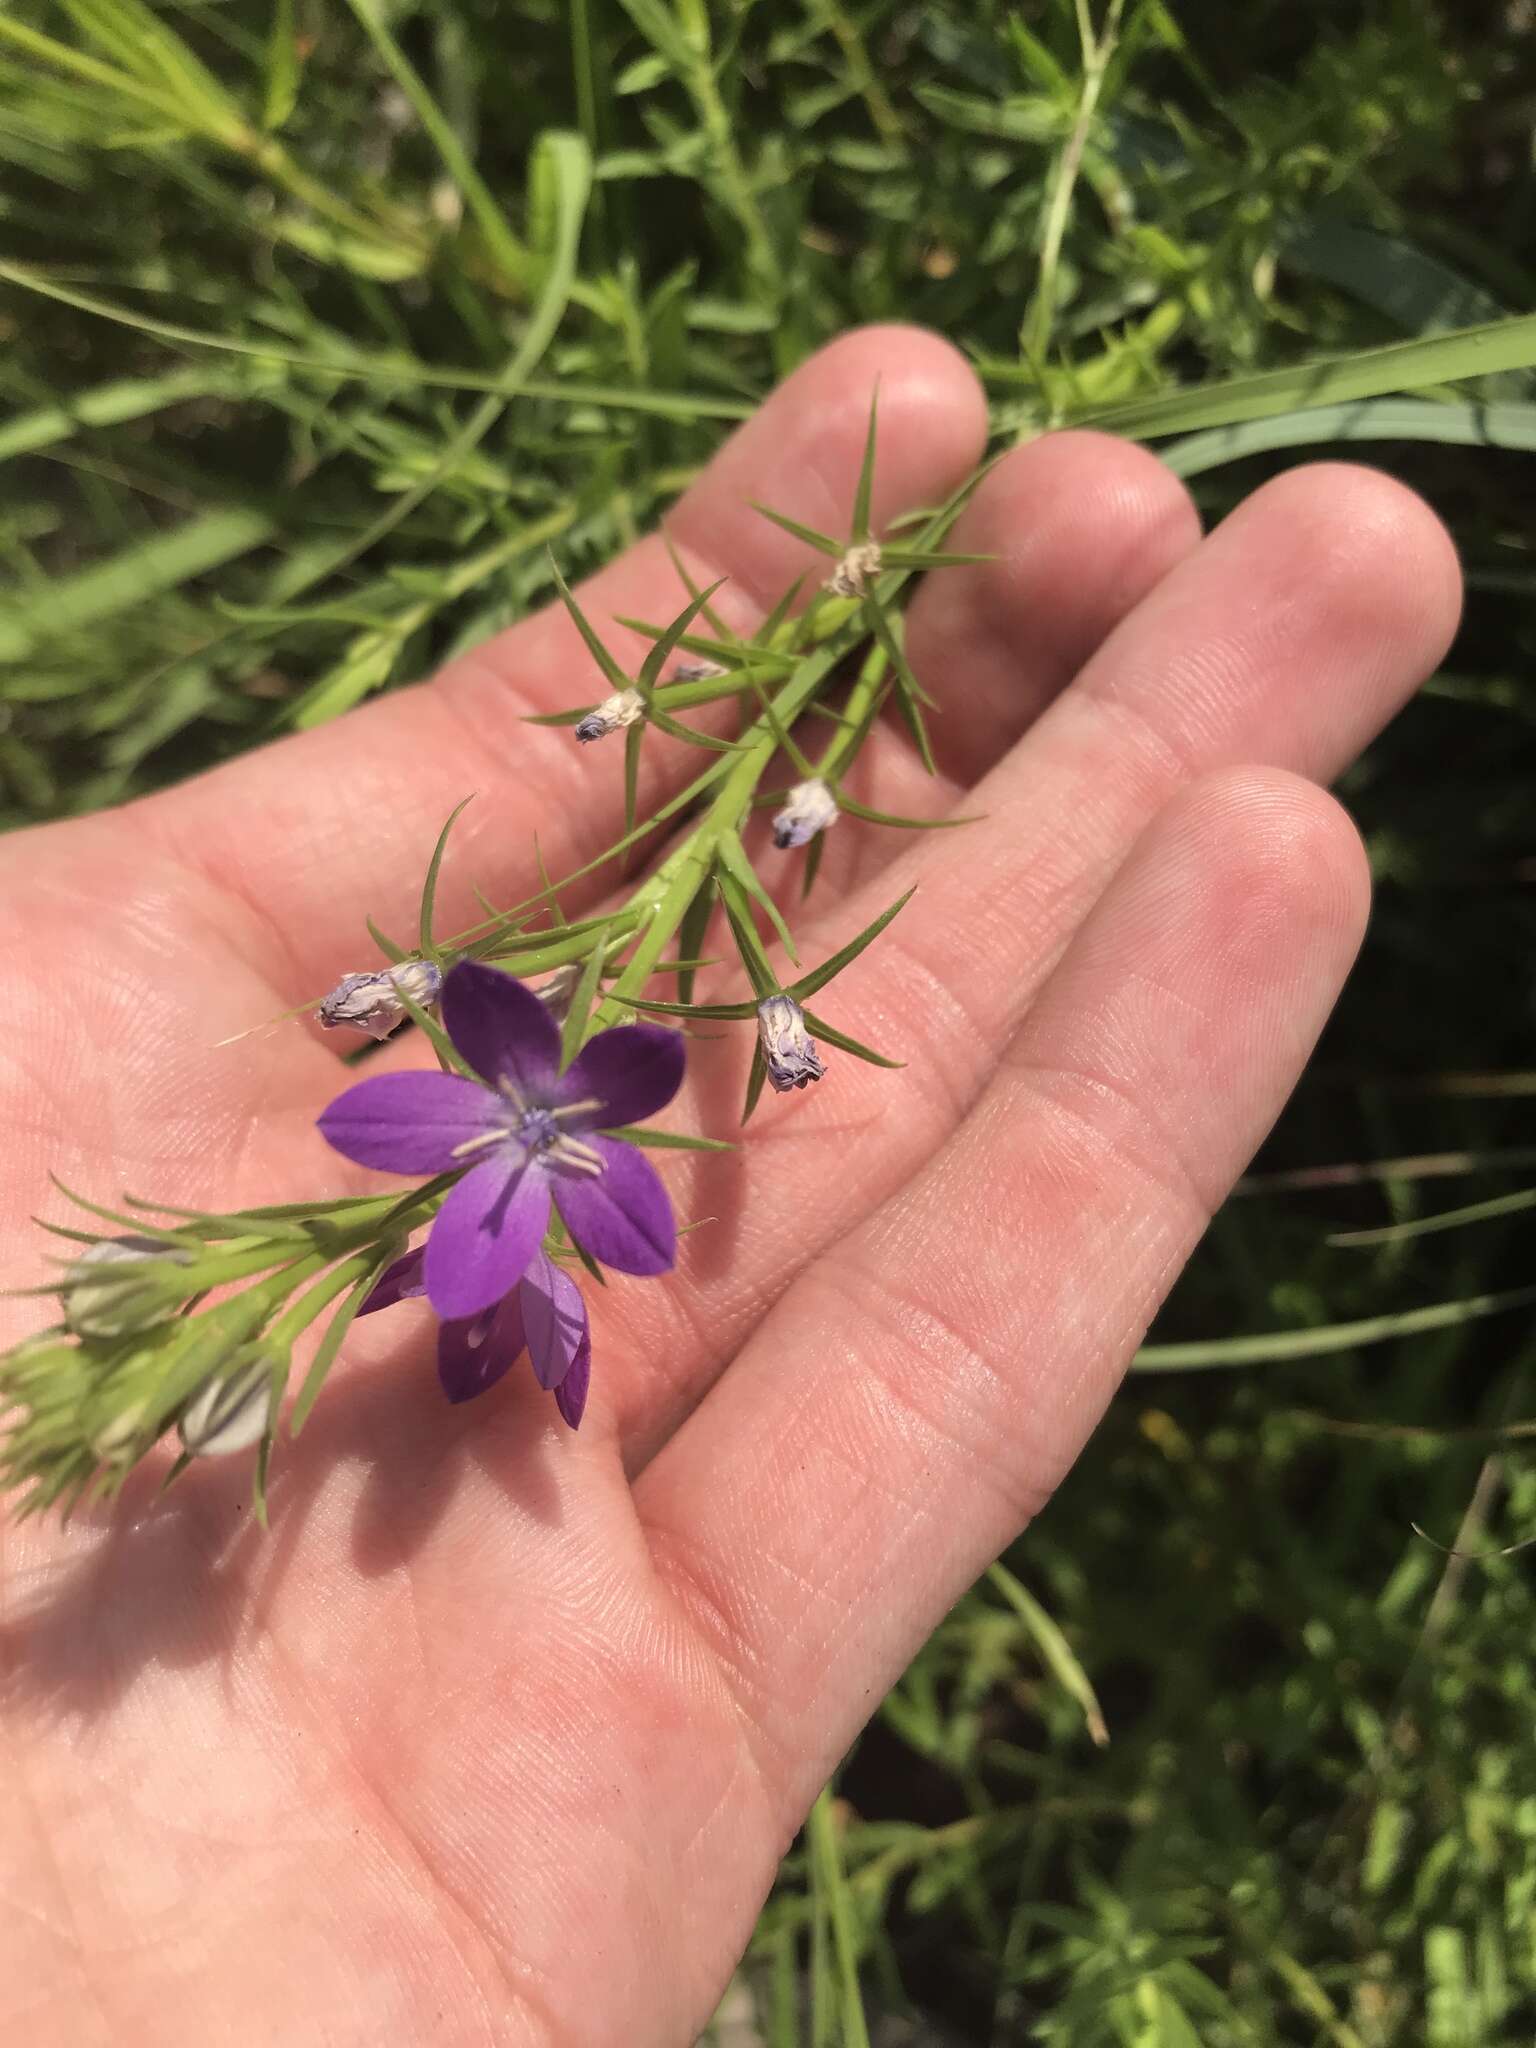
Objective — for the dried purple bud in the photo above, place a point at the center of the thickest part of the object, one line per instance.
(230, 1414)
(614, 713)
(102, 1298)
(811, 808)
(697, 671)
(852, 575)
(371, 1001)
(788, 1048)
(556, 993)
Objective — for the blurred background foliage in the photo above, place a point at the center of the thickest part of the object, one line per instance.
(304, 364)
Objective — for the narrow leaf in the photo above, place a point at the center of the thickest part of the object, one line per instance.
(830, 1035)
(429, 886)
(817, 979)
(865, 491)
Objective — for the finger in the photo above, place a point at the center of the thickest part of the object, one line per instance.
(325, 828)
(1292, 635)
(1077, 528)
(920, 1392)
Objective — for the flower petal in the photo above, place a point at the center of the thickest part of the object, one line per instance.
(484, 1236)
(408, 1123)
(622, 1216)
(633, 1071)
(502, 1029)
(474, 1352)
(403, 1281)
(555, 1318)
(571, 1394)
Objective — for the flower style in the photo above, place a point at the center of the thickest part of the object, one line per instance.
(371, 1002)
(789, 1051)
(810, 808)
(526, 1135)
(543, 1315)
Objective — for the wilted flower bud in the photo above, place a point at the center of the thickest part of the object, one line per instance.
(556, 993)
(371, 1002)
(811, 809)
(851, 576)
(788, 1048)
(615, 712)
(100, 1294)
(696, 670)
(230, 1414)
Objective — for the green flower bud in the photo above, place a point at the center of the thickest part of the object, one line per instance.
(230, 1413)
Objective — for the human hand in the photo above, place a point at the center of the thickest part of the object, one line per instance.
(500, 1733)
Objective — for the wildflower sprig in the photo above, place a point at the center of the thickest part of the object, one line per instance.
(553, 1047)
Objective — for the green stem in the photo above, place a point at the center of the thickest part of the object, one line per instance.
(1097, 51)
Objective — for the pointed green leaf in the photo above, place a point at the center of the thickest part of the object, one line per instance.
(650, 668)
(817, 979)
(634, 738)
(572, 717)
(822, 542)
(429, 886)
(778, 728)
(668, 1141)
(755, 1079)
(599, 653)
(574, 1029)
(331, 1343)
(864, 493)
(386, 945)
(675, 730)
(447, 1057)
(738, 910)
(812, 865)
(857, 810)
(712, 618)
(714, 1013)
(690, 933)
(828, 1034)
(733, 858)
(764, 636)
(908, 692)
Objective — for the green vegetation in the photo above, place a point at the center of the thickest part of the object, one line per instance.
(321, 323)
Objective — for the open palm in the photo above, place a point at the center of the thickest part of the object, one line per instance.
(499, 1733)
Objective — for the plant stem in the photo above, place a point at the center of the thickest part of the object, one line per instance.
(1097, 50)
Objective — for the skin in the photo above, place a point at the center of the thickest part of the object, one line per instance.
(500, 1733)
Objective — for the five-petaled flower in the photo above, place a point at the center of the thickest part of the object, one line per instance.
(526, 1134)
(543, 1315)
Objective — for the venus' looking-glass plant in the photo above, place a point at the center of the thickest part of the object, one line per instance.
(522, 1148)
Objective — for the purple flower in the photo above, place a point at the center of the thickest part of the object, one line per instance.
(526, 1134)
(543, 1315)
